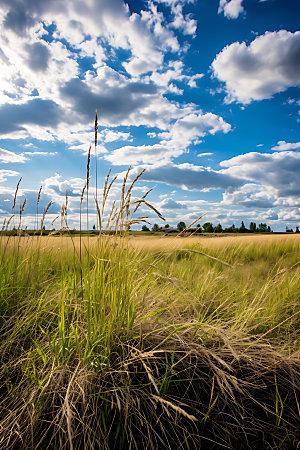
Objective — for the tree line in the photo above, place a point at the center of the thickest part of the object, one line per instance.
(208, 227)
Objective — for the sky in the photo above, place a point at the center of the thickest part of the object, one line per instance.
(204, 94)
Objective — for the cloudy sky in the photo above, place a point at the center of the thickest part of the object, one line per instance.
(204, 94)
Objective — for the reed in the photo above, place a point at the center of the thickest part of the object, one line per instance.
(46, 209)
(96, 160)
(37, 207)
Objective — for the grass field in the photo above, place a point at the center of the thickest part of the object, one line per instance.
(146, 342)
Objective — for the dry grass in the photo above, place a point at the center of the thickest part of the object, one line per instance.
(155, 243)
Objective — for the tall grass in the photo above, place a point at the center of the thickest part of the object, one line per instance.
(104, 345)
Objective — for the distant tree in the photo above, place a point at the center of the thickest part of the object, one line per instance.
(199, 229)
(145, 228)
(94, 227)
(297, 230)
(289, 230)
(218, 228)
(252, 227)
(167, 225)
(208, 227)
(181, 226)
(231, 229)
(269, 229)
(242, 228)
(155, 227)
(262, 227)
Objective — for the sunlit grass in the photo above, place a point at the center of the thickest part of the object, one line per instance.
(148, 324)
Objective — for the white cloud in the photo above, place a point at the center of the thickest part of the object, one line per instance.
(231, 8)
(270, 64)
(188, 176)
(279, 171)
(282, 146)
(192, 81)
(7, 173)
(183, 22)
(152, 134)
(10, 157)
(290, 216)
(250, 195)
(204, 154)
(111, 136)
(193, 126)
(182, 134)
(43, 74)
(169, 203)
(39, 153)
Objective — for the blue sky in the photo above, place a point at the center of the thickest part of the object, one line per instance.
(204, 94)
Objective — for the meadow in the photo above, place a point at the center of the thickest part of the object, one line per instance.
(134, 342)
(145, 343)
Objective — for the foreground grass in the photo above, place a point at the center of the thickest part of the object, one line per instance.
(149, 346)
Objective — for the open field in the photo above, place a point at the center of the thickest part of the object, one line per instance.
(147, 342)
(157, 242)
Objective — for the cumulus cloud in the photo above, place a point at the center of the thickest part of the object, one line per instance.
(193, 126)
(190, 177)
(184, 132)
(231, 8)
(169, 203)
(10, 157)
(250, 195)
(7, 173)
(15, 117)
(38, 56)
(183, 22)
(117, 101)
(270, 64)
(56, 187)
(47, 64)
(282, 146)
(279, 171)
(111, 136)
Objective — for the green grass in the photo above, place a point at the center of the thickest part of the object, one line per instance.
(154, 349)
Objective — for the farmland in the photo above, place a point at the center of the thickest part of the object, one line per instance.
(148, 342)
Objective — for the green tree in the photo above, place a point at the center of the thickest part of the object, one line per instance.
(208, 227)
(181, 226)
(297, 230)
(155, 227)
(262, 227)
(167, 225)
(218, 228)
(242, 228)
(252, 227)
(145, 228)
(231, 229)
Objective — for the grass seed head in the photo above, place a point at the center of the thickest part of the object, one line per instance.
(16, 193)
